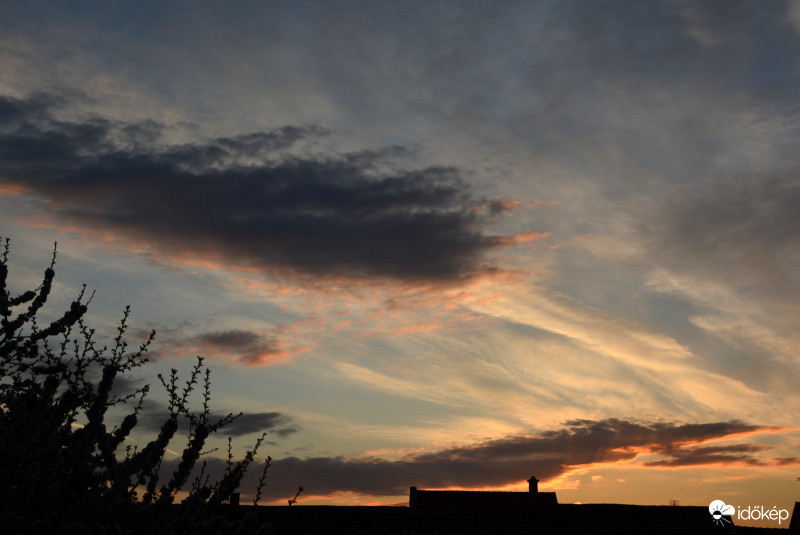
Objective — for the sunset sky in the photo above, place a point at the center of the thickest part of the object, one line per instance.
(442, 244)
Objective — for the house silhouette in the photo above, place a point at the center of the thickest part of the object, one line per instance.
(427, 499)
(539, 513)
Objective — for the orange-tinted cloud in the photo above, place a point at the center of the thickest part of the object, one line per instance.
(572, 242)
(505, 462)
(498, 206)
(11, 189)
(525, 237)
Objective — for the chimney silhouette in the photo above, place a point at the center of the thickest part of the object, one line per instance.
(533, 489)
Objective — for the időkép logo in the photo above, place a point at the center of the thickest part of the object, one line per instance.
(719, 510)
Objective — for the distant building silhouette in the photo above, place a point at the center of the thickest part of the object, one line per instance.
(539, 513)
(437, 499)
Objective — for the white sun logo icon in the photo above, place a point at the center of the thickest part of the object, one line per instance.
(719, 510)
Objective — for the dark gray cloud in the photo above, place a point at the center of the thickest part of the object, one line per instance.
(250, 424)
(786, 460)
(275, 423)
(18, 111)
(512, 459)
(251, 348)
(588, 438)
(733, 454)
(246, 200)
(247, 347)
(233, 338)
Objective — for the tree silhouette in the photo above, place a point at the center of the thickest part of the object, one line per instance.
(62, 468)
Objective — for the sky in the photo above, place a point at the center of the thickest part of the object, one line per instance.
(437, 244)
